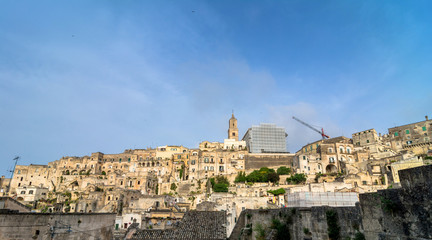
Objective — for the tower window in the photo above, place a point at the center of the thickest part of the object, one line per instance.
(233, 134)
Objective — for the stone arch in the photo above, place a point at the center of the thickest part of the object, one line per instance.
(331, 168)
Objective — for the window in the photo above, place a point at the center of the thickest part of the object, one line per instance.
(31, 192)
(407, 131)
(120, 160)
(19, 171)
(330, 150)
(331, 160)
(221, 168)
(304, 157)
(424, 128)
(348, 150)
(396, 134)
(311, 147)
(128, 159)
(341, 150)
(367, 141)
(364, 182)
(22, 192)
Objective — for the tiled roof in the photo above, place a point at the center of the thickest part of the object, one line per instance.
(194, 225)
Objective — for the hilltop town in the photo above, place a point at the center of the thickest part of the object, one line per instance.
(155, 188)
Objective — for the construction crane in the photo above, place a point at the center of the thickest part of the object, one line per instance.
(12, 173)
(324, 136)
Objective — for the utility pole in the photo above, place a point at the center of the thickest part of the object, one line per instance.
(12, 173)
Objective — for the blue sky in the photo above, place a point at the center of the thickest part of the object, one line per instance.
(78, 77)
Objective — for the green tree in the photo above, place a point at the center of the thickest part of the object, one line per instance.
(273, 177)
(241, 177)
(173, 186)
(297, 178)
(284, 171)
(220, 184)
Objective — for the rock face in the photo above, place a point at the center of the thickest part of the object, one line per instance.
(300, 223)
(404, 213)
(194, 225)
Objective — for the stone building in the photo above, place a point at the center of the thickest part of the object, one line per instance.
(31, 193)
(325, 156)
(414, 136)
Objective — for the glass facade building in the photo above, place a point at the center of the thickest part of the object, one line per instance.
(266, 138)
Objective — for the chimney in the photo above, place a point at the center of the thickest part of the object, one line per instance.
(427, 118)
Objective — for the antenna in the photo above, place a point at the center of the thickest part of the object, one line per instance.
(12, 173)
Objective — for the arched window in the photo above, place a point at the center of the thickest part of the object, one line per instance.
(31, 192)
(348, 150)
(23, 192)
(341, 149)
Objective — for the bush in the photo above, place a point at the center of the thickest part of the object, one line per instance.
(220, 184)
(173, 186)
(241, 177)
(220, 187)
(282, 230)
(283, 171)
(359, 236)
(263, 175)
(277, 191)
(297, 178)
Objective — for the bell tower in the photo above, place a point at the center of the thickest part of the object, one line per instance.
(232, 129)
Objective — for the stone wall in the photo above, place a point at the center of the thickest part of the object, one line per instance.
(12, 204)
(390, 214)
(301, 223)
(403, 213)
(56, 226)
(256, 161)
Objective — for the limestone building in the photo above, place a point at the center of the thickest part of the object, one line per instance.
(232, 129)
(325, 156)
(414, 136)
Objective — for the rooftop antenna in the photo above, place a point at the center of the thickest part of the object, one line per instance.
(12, 173)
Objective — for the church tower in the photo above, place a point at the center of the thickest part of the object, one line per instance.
(233, 130)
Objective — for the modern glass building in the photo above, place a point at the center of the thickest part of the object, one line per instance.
(266, 138)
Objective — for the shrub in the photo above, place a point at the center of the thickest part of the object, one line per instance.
(297, 178)
(241, 177)
(277, 191)
(283, 171)
(333, 227)
(359, 236)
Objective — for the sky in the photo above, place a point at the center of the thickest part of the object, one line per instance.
(78, 77)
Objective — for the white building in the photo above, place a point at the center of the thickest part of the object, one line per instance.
(31, 193)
